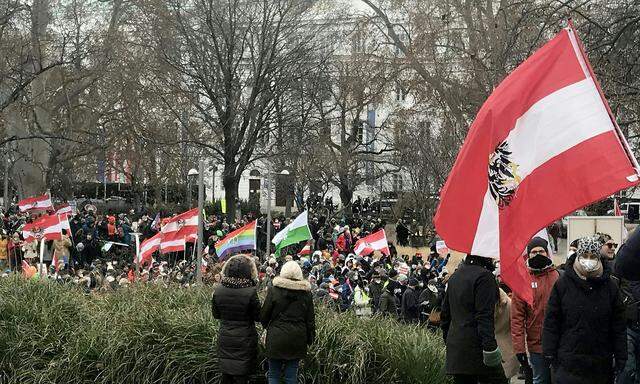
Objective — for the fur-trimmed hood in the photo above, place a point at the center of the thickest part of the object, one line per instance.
(294, 285)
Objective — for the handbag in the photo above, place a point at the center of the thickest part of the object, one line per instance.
(434, 317)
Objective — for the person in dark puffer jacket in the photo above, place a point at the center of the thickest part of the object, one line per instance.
(235, 302)
(584, 335)
(289, 318)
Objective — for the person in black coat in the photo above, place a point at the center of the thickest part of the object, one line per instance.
(627, 260)
(235, 302)
(467, 322)
(584, 335)
(289, 318)
(409, 306)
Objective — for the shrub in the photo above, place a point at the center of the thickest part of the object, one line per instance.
(148, 334)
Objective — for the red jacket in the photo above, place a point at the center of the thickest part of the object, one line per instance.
(526, 321)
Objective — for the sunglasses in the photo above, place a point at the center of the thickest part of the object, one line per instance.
(612, 245)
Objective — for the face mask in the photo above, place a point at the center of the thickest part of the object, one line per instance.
(539, 262)
(589, 265)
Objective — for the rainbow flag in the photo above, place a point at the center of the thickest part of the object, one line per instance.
(242, 239)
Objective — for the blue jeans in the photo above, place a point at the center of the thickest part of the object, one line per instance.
(630, 375)
(278, 367)
(541, 370)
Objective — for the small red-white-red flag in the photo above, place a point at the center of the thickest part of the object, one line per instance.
(306, 250)
(533, 154)
(35, 203)
(376, 241)
(147, 248)
(616, 208)
(179, 230)
(64, 222)
(65, 209)
(47, 227)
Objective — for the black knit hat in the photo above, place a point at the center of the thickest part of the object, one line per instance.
(537, 242)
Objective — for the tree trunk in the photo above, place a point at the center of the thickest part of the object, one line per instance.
(346, 194)
(231, 195)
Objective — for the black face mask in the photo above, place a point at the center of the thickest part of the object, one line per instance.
(539, 262)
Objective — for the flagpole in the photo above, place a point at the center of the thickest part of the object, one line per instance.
(200, 221)
(621, 138)
(41, 257)
(137, 254)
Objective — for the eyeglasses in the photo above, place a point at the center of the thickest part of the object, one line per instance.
(541, 252)
(612, 245)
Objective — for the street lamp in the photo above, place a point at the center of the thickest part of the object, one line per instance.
(199, 244)
(269, 179)
(214, 169)
(190, 176)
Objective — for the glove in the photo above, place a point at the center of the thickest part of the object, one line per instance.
(522, 358)
(619, 366)
(552, 361)
(492, 358)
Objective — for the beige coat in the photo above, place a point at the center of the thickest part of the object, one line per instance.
(61, 247)
(30, 250)
(503, 335)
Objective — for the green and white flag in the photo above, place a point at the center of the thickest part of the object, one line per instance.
(293, 233)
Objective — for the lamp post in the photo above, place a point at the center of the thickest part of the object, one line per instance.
(190, 175)
(269, 180)
(214, 169)
(200, 221)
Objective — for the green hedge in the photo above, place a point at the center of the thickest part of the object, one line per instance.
(146, 334)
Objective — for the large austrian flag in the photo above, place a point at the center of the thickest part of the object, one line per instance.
(376, 241)
(179, 230)
(147, 248)
(35, 203)
(47, 227)
(543, 145)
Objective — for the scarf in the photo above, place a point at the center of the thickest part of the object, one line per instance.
(584, 275)
(236, 282)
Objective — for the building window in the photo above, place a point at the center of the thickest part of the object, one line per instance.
(397, 183)
(401, 93)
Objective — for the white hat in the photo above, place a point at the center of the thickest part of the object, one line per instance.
(291, 270)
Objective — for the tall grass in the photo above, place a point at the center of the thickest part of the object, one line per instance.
(146, 334)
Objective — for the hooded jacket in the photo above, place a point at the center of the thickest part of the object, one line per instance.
(584, 327)
(238, 308)
(527, 321)
(288, 315)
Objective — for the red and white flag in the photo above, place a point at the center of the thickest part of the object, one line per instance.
(65, 209)
(35, 203)
(47, 227)
(179, 230)
(376, 241)
(306, 250)
(616, 208)
(64, 222)
(543, 145)
(147, 248)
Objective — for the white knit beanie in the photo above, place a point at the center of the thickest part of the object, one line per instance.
(291, 270)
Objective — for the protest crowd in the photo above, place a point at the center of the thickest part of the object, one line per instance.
(519, 317)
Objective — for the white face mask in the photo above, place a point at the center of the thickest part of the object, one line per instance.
(589, 265)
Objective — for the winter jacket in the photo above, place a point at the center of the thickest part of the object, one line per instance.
(409, 307)
(375, 290)
(468, 318)
(238, 309)
(502, 318)
(526, 321)
(627, 261)
(61, 247)
(584, 328)
(388, 304)
(289, 318)
(3, 249)
(361, 302)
